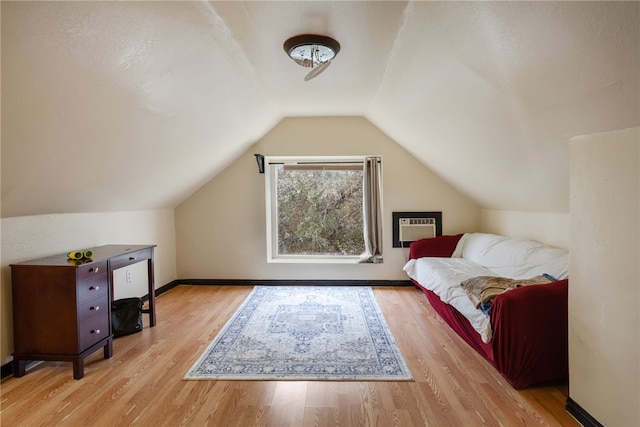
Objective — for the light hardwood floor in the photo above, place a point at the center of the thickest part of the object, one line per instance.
(142, 385)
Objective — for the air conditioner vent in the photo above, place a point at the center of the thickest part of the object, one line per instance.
(412, 229)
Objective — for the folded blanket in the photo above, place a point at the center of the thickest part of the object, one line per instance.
(443, 277)
(483, 289)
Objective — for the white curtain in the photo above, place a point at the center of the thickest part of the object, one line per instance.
(372, 210)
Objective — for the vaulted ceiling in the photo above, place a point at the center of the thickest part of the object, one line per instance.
(110, 106)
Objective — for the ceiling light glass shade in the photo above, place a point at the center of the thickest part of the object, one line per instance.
(316, 71)
(311, 55)
(311, 50)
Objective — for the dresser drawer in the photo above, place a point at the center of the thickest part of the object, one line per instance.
(93, 281)
(93, 330)
(92, 270)
(98, 306)
(131, 258)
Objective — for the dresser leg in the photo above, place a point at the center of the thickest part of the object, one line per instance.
(18, 367)
(108, 349)
(78, 368)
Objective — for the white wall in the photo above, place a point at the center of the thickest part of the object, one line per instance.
(551, 228)
(221, 228)
(604, 291)
(30, 237)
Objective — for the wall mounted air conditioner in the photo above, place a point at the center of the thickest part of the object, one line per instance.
(412, 229)
(408, 227)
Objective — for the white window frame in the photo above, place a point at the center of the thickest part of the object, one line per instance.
(272, 218)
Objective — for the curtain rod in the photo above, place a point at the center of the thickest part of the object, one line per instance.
(352, 162)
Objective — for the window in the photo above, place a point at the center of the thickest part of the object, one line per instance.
(315, 209)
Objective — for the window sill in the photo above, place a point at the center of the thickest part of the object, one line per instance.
(314, 260)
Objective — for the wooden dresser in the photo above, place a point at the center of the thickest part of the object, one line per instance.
(62, 311)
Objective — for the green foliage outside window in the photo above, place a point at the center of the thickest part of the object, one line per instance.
(319, 212)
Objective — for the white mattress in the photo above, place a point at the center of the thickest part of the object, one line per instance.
(443, 277)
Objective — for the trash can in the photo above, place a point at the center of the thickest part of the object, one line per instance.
(126, 316)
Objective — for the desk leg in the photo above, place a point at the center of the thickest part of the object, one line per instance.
(19, 367)
(152, 293)
(107, 350)
(78, 368)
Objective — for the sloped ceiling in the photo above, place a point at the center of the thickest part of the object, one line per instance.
(110, 106)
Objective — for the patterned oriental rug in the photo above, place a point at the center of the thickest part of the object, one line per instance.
(304, 333)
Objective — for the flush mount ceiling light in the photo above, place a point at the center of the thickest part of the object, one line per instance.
(310, 50)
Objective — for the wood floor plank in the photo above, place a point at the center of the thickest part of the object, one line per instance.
(142, 384)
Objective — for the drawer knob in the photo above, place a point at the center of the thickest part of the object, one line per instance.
(94, 288)
(95, 331)
(132, 258)
(95, 308)
(94, 270)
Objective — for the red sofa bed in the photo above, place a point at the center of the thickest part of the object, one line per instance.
(529, 343)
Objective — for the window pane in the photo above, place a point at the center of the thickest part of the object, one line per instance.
(319, 211)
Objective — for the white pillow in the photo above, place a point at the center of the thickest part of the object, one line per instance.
(515, 258)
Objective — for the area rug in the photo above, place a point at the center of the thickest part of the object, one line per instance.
(304, 333)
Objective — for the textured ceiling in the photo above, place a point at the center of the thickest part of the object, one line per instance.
(110, 106)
